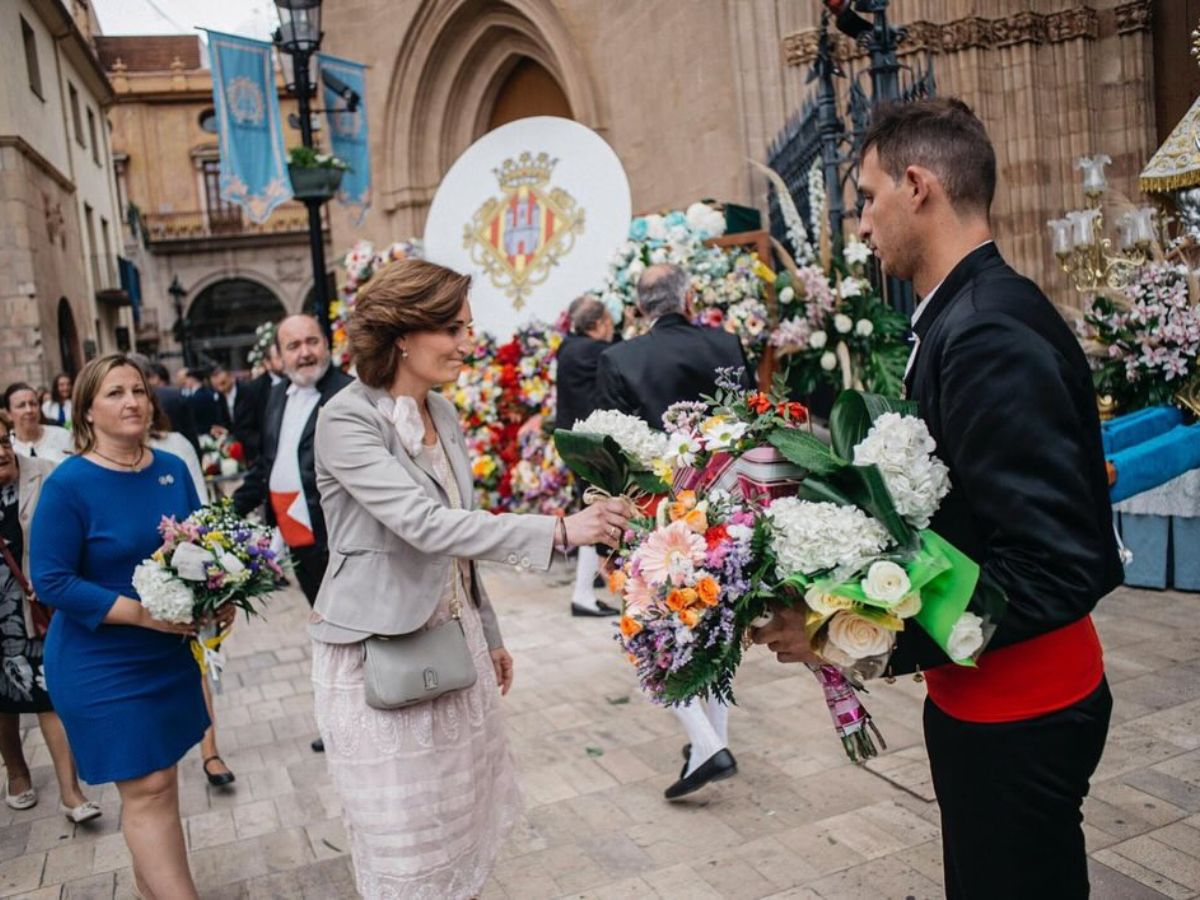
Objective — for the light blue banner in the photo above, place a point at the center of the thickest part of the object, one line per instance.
(348, 131)
(253, 167)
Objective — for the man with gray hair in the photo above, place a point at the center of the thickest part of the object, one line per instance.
(675, 361)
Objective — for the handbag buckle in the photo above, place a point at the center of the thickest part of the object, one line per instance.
(431, 679)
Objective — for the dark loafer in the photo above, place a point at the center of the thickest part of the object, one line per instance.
(687, 751)
(318, 746)
(218, 779)
(717, 767)
(602, 609)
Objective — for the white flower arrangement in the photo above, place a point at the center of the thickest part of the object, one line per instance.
(705, 221)
(903, 451)
(856, 253)
(632, 435)
(856, 637)
(164, 596)
(808, 537)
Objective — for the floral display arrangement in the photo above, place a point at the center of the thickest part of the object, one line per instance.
(502, 395)
(728, 293)
(211, 558)
(358, 265)
(222, 455)
(760, 512)
(1142, 342)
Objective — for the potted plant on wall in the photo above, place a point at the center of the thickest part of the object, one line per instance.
(315, 176)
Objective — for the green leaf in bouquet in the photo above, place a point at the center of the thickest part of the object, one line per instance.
(866, 489)
(946, 597)
(805, 450)
(648, 482)
(852, 415)
(596, 458)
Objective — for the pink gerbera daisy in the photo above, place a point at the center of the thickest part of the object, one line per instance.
(671, 553)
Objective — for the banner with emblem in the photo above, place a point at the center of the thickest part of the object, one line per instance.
(348, 129)
(250, 136)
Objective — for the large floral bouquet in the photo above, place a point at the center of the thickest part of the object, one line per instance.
(1142, 343)
(211, 558)
(358, 265)
(503, 394)
(728, 294)
(835, 328)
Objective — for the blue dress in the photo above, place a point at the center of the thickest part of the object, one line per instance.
(130, 698)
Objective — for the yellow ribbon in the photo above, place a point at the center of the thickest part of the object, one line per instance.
(206, 651)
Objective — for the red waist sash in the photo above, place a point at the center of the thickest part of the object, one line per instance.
(1025, 680)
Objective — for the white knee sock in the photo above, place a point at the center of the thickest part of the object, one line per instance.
(705, 741)
(718, 717)
(585, 573)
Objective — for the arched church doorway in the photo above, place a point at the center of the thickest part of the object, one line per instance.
(223, 317)
(68, 339)
(528, 90)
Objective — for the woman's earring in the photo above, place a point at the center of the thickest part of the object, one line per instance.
(403, 353)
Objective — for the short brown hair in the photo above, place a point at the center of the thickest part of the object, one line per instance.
(944, 136)
(404, 296)
(87, 386)
(6, 421)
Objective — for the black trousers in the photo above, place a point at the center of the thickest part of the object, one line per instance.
(310, 569)
(1011, 797)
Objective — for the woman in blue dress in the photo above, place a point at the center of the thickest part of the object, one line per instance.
(124, 684)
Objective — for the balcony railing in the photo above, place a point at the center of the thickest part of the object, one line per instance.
(107, 280)
(206, 225)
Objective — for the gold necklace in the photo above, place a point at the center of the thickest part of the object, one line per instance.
(116, 462)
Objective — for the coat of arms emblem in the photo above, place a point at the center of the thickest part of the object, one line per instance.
(519, 237)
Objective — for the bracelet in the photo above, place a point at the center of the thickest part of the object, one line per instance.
(564, 543)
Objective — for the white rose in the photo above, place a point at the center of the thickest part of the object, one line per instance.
(850, 287)
(824, 604)
(190, 562)
(886, 582)
(843, 323)
(229, 466)
(829, 362)
(908, 607)
(857, 637)
(966, 637)
(864, 328)
(787, 295)
(818, 339)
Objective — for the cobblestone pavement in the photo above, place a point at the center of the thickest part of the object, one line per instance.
(798, 822)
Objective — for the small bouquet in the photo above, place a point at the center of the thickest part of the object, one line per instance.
(211, 558)
(618, 455)
(222, 455)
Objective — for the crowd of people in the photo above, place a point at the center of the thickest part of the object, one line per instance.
(367, 480)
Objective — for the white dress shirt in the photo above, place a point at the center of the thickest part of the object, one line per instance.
(285, 472)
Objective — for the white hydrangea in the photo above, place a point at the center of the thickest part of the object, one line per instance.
(705, 221)
(164, 596)
(903, 450)
(633, 435)
(809, 537)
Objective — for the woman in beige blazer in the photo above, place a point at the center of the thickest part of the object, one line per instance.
(428, 791)
(22, 678)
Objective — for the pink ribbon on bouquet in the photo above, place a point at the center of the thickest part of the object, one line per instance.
(850, 718)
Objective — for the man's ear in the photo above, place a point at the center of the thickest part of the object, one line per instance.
(919, 185)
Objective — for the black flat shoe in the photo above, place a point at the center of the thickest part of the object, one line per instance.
(220, 779)
(687, 751)
(602, 609)
(717, 767)
(318, 746)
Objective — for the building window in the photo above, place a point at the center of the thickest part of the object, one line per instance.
(91, 116)
(73, 95)
(31, 59)
(208, 120)
(223, 216)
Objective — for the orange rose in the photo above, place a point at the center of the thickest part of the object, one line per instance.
(708, 590)
(684, 502)
(681, 598)
(689, 617)
(696, 520)
(759, 402)
(616, 581)
(630, 627)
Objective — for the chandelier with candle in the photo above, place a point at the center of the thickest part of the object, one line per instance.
(1085, 253)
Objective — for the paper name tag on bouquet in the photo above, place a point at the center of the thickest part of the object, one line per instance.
(534, 211)
(761, 474)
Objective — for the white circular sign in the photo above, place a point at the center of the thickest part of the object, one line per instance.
(534, 211)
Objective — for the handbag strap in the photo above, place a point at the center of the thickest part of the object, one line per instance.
(16, 569)
(456, 577)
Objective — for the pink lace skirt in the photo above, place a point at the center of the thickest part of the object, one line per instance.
(428, 793)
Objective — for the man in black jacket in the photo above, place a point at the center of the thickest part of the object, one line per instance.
(238, 404)
(675, 361)
(1006, 393)
(575, 399)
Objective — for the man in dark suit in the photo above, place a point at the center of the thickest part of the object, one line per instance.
(237, 410)
(1006, 393)
(576, 362)
(283, 480)
(173, 403)
(205, 404)
(675, 361)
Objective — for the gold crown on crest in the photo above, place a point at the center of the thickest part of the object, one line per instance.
(526, 170)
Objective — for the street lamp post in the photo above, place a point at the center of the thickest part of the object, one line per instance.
(299, 36)
(182, 331)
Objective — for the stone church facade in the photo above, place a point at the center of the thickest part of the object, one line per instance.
(686, 91)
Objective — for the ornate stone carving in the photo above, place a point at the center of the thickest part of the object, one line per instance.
(1026, 27)
(55, 222)
(1134, 16)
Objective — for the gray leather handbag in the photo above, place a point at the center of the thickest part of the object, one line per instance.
(405, 669)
